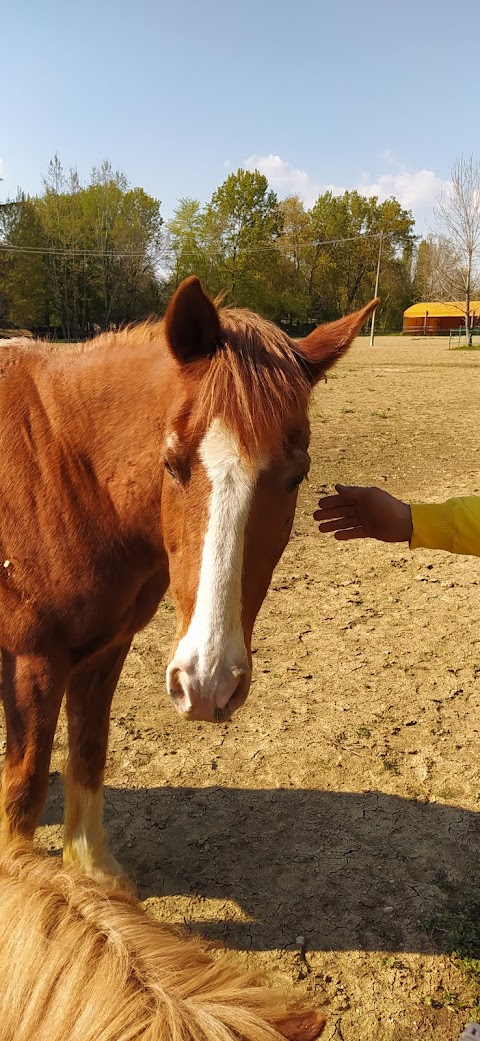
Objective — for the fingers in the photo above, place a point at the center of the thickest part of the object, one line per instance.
(331, 502)
(350, 533)
(327, 501)
(332, 506)
(347, 495)
(332, 522)
(339, 513)
(349, 491)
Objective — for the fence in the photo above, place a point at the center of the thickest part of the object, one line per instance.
(456, 336)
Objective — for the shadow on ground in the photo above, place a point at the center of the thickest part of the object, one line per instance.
(290, 859)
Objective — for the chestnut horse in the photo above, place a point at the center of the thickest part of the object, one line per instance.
(166, 454)
(83, 963)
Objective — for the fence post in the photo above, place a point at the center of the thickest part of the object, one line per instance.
(372, 327)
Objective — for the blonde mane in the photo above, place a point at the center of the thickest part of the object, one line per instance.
(84, 963)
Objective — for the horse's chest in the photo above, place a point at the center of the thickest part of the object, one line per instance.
(116, 617)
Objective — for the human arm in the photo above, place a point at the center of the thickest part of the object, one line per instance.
(453, 525)
(354, 513)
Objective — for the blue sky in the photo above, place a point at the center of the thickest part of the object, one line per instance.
(343, 94)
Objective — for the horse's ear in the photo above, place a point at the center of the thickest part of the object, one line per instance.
(301, 1026)
(326, 344)
(192, 325)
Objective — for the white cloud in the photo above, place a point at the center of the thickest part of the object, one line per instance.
(287, 179)
(416, 190)
(2, 170)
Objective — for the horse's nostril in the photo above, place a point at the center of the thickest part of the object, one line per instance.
(178, 690)
(174, 686)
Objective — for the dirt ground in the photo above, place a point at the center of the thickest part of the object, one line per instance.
(319, 831)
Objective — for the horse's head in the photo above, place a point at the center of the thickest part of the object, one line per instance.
(235, 454)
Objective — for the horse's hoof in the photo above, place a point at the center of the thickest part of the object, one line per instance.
(102, 867)
(109, 869)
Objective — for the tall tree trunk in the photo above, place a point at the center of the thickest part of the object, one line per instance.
(468, 287)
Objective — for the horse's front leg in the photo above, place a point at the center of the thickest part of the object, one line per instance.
(89, 697)
(32, 691)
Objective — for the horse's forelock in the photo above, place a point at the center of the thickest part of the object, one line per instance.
(254, 383)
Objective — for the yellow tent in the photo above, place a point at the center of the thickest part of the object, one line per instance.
(437, 309)
(438, 318)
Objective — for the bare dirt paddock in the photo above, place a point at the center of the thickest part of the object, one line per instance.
(322, 830)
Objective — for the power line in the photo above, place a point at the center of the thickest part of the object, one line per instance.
(79, 253)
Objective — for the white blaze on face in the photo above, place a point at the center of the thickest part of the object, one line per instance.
(211, 655)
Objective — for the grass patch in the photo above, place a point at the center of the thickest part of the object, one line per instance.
(448, 1000)
(457, 930)
(463, 936)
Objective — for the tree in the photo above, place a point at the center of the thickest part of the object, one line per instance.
(105, 245)
(342, 258)
(23, 294)
(61, 221)
(239, 229)
(123, 226)
(186, 247)
(81, 257)
(101, 253)
(293, 247)
(437, 270)
(457, 221)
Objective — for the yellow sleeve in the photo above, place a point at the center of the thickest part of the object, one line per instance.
(453, 525)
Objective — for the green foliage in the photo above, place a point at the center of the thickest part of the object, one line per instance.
(23, 294)
(230, 243)
(457, 928)
(290, 263)
(242, 222)
(187, 250)
(342, 274)
(99, 253)
(98, 249)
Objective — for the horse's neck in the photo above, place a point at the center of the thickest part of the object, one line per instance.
(114, 411)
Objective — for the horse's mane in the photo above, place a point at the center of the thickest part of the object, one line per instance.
(83, 963)
(254, 381)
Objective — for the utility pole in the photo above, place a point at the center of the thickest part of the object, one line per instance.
(372, 327)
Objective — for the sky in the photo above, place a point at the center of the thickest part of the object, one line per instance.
(316, 94)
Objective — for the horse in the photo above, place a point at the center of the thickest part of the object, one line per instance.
(84, 962)
(166, 454)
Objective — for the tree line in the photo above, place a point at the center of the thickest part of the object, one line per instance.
(83, 257)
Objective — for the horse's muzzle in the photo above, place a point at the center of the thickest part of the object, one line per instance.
(213, 699)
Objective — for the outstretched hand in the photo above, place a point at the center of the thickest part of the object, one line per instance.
(364, 513)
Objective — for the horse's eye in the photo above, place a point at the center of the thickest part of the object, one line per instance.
(296, 482)
(179, 470)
